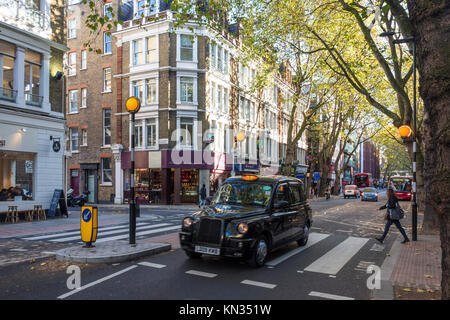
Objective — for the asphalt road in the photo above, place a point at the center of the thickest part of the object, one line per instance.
(332, 266)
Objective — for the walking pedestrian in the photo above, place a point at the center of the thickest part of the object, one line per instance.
(390, 205)
(202, 196)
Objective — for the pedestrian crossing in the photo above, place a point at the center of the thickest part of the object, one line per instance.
(111, 233)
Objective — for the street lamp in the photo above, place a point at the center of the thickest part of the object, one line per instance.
(414, 202)
(240, 136)
(133, 105)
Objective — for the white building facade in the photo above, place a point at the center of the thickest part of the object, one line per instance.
(31, 131)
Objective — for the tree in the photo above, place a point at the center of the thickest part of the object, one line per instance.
(429, 22)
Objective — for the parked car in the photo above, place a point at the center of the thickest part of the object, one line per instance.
(351, 190)
(369, 194)
(248, 217)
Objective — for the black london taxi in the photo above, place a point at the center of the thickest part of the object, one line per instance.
(248, 217)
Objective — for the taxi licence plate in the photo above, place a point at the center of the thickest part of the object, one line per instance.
(207, 250)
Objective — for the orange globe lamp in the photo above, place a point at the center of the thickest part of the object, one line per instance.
(240, 136)
(405, 131)
(133, 104)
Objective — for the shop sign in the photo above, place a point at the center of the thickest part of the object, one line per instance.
(28, 166)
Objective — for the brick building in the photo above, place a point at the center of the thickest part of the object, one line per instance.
(195, 98)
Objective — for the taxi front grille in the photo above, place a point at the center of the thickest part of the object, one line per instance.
(210, 231)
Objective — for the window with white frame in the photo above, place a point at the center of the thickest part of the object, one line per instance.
(252, 112)
(107, 80)
(225, 61)
(219, 99)
(212, 95)
(186, 130)
(138, 52)
(72, 28)
(220, 58)
(107, 10)
(73, 101)
(106, 171)
(107, 42)
(83, 97)
(73, 132)
(151, 54)
(151, 133)
(226, 101)
(241, 108)
(72, 63)
(145, 8)
(150, 91)
(138, 89)
(83, 59)
(84, 137)
(139, 134)
(186, 89)
(186, 48)
(106, 127)
(247, 110)
(213, 54)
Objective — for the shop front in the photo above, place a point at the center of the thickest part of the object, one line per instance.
(31, 168)
(184, 172)
(148, 186)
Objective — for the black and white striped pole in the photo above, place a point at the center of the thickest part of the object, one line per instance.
(133, 105)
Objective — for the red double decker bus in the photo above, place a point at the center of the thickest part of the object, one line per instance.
(402, 187)
(363, 180)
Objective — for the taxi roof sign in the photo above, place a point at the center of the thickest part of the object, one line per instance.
(249, 177)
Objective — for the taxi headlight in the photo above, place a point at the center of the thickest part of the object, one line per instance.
(187, 222)
(242, 227)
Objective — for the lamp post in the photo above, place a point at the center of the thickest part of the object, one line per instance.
(133, 105)
(414, 190)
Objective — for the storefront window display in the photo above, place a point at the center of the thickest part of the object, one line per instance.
(16, 176)
(148, 186)
(189, 185)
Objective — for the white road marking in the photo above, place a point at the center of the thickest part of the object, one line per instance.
(201, 273)
(19, 250)
(101, 234)
(344, 231)
(329, 296)
(152, 265)
(56, 235)
(48, 252)
(312, 240)
(143, 233)
(259, 284)
(96, 282)
(377, 247)
(335, 259)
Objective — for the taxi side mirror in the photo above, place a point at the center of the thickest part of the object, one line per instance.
(280, 204)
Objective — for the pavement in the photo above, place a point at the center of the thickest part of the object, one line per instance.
(412, 269)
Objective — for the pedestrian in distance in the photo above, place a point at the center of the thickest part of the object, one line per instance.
(391, 204)
(202, 196)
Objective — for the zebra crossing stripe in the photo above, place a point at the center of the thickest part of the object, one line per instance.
(329, 296)
(336, 258)
(49, 236)
(312, 240)
(143, 233)
(101, 234)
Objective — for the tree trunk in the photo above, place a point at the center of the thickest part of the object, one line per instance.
(431, 24)
(337, 181)
(290, 155)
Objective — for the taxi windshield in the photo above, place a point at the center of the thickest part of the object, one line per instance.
(245, 194)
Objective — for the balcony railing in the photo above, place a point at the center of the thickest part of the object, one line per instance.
(8, 94)
(16, 12)
(33, 100)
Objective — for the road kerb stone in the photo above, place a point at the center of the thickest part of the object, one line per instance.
(111, 252)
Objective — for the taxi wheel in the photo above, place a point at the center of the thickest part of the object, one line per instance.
(193, 255)
(259, 253)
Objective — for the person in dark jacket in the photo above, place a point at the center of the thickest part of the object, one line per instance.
(391, 204)
(202, 196)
